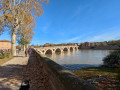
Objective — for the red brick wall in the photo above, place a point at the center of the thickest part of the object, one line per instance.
(5, 45)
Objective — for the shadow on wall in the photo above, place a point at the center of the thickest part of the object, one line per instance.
(10, 73)
(73, 67)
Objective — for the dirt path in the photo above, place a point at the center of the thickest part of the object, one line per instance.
(10, 72)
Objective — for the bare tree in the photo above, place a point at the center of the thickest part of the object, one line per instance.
(16, 13)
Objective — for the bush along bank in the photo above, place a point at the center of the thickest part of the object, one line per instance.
(113, 59)
(6, 54)
(4, 57)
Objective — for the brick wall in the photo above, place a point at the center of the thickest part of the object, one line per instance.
(5, 45)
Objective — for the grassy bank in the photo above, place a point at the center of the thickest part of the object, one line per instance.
(90, 72)
(107, 81)
(5, 59)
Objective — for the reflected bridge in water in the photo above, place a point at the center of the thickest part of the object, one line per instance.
(54, 49)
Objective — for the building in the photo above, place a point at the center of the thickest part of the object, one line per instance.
(105, 43)
(5, 44)
(87, 44)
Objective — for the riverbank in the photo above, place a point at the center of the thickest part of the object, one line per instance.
(101, 77)
(100, 47)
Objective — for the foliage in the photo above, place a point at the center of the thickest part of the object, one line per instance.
(114, 42)
(111, 43)
(51, 44)
(2, 56)
(7, 54)
(23, 41)
(113, 58)
(18, 15)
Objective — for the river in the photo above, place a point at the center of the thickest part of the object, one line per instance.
(79, 58)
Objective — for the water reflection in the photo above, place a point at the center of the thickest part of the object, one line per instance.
(79, 58)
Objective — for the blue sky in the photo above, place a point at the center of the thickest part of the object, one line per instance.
(77, 21)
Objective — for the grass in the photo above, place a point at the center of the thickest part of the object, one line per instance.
(5, 59)
(90, 72)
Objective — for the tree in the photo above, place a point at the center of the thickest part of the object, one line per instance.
(23, 42)
(27, 33)
(17, 13)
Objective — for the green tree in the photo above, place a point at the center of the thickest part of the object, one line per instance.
(23, 42)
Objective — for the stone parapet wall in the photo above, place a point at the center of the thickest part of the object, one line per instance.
(61, 78)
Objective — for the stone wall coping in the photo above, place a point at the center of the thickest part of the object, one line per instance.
(68, 79)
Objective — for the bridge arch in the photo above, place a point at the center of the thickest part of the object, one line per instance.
(75, 48)
(71, 48)
(58, 50)
(49, 51)
(65, 49)
(43, 51)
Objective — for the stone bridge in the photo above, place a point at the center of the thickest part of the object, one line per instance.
(54, 49)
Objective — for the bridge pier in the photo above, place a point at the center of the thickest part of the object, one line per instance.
(53, 52)
(62, 50)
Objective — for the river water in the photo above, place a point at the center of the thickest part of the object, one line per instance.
(79, 58)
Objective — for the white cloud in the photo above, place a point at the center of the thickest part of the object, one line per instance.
(104, 37)
(74, 39)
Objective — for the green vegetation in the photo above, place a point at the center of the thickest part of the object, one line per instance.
(51, 44)
(6, 54)
(88, 73)
(22, 41)
(105, 43)
(113, 58)
(5, 57)
(114, 42)
(2, 56)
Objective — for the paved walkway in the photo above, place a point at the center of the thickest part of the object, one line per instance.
(10, 72)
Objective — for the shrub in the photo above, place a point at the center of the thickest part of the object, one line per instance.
(7, 54)
(2, 56)
(113, 58)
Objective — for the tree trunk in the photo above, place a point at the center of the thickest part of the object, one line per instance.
(27, 46)
(23, 47)
(13, 46)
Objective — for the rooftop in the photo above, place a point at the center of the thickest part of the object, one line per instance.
(5, 41)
